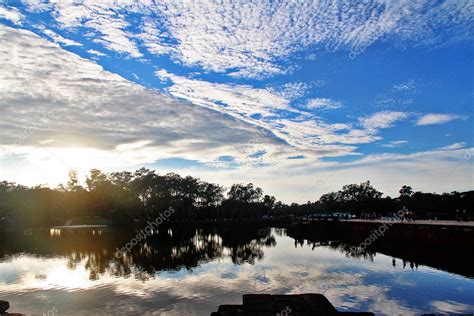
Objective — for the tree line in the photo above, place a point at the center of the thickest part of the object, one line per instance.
(127, 197)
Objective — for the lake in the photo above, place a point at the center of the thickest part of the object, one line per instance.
(190, 271)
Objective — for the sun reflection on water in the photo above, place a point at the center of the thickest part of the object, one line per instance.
(55, 232)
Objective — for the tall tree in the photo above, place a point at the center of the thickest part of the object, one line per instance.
(360, 197)
(406, 191)
(245, 193)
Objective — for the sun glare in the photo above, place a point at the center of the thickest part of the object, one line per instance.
(51, 166)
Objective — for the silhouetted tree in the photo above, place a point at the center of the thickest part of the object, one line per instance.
(127, 197)
(245, 193)
(406, 191)
(360, 197)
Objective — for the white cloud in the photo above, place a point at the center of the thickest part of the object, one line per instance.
(251, 38)
(433, 118)
(395, 143)
(293, 90)
(382, 119)
(59, 39)
(11, 14)
(323, 103)
(134, 145)
(454, 146)
(243, 99)
(255, 39)
(95, 52)
(109, 26)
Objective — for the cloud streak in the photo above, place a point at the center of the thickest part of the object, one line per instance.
(323, 103)
(275, 113)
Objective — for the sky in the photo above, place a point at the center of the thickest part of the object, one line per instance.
(298, 97)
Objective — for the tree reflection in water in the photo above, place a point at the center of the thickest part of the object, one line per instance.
(177, 248)
(168, 250)
(187, 249)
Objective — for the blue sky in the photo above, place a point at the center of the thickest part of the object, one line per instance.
(314, 94)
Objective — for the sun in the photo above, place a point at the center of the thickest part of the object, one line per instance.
(51, 165)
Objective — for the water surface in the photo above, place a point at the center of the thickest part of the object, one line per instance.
(193, 271)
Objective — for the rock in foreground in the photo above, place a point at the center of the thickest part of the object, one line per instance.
(281, 305)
